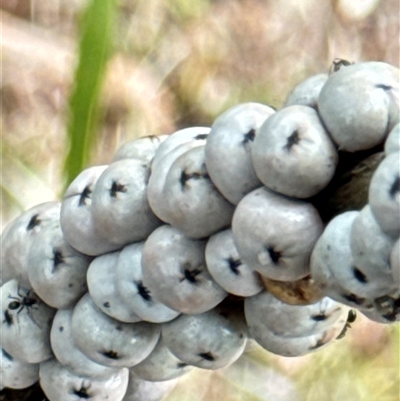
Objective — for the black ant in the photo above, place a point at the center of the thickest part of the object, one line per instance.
(351, 318)
(338, 63)
(19, 303)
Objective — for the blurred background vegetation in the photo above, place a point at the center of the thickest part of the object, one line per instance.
(175, 64)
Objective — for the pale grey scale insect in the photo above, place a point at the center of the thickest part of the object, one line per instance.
(193, 204)
(61, 384)
(119, 204)
(175, 271)
(161, 365)
(384, 195)
(293, 321)
(110, 342)
(227, 269)
(342, 106)
(133, 289)
(16, 374)
(209, 340)
(306, 92)
(228, 149)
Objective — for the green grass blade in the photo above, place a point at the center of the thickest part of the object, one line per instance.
(97, 29)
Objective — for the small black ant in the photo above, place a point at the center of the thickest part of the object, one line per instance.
(338, 63)
(19, 303)
(351, 318)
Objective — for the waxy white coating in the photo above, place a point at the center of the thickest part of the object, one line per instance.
(228, 149)
(359, 104)
(209, 340)
(275, 235)
(226, 268)
(109, 342)
(60, 384)
(293, 154)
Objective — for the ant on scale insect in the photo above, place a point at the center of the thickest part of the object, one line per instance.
(23, 300)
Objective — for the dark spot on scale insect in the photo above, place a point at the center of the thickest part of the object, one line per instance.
(201, 137)
(61, 329)
(208, 356)
(70, 285)
(191, 275)
(249, 136)
(359, 275)
(293, 139)
(85, 195)
(83, 391)
(274, 255)
(384, 87)
(33, 222)
(143, 291)
(106, 304)
(185, 177)
(353, 298)
(8, 319)
(234, 265)
(181, 365)
(116, 188)
(118, 327)
(58, 258)
(319, 317)
(7, 355)
(110, 354)
(395, 188)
